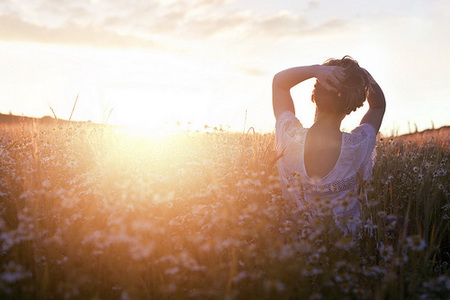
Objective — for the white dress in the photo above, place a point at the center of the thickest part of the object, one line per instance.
(340, 186)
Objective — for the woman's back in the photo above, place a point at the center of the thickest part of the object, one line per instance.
(322, 151)
(329, 166)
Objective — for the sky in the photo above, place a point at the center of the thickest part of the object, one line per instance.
(156, 64)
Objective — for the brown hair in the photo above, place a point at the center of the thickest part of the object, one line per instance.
(353, 91)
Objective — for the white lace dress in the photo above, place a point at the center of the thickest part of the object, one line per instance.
(339, 187)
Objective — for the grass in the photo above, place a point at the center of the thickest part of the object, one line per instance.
(86, 213)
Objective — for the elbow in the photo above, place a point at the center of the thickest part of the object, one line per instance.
(277, 81)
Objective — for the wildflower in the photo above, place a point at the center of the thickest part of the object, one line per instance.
(71, 164)
(440, 172)
(342, 271)
(286, 252)
(46, 184)
(172, 271)
(310, 270)
(436, 286)
(401, 260)
(240, 276)
(415, 242)
(274, 285)
(69, 290)
(382, 214)
(315, 258)
(344, 204)
(373, 271)
(386, 252)
(372, 203)
(170, 288)
(354, 223)
(345, 243)
(124, 295)
(391, 220)
(316, 296)
(14, 272)
(62, 260)
(141, 250)
(370, 225)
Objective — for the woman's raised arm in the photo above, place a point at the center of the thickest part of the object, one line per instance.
(377, 106)
(328, 76)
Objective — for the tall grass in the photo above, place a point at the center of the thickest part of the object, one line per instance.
(87, 213)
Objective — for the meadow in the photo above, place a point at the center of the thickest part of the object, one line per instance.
(90, 213)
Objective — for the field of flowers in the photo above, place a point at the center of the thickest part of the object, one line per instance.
(89, 213)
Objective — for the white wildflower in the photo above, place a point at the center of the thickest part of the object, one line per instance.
(401, 260)
(345, 243)
(240, 276)
(386, 252)
(14, 272)
(46, 184)
(286, 252)
(172, 271)
(416, 243)
(370, 225)
(274, 285)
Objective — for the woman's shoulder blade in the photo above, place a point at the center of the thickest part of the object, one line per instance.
(362, 133)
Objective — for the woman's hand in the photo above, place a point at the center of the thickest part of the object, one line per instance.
(330, 77)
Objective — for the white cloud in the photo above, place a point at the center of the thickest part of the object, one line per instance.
(140, 23)
(14, 29)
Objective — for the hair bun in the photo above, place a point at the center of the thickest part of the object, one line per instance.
(353, 91)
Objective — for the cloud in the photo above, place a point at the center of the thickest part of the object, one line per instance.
(253, 71)
(13, 29)
(313, 4)
(283, 23)
(147, 24)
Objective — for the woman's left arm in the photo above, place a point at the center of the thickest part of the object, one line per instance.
(328, 76)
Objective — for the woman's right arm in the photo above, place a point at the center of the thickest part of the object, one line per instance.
(377, 106)
(328, 76)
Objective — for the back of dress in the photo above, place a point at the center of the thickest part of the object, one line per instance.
(339, 187)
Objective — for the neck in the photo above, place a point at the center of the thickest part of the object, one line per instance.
(328, 120)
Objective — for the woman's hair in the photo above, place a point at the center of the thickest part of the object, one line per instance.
(353, 91)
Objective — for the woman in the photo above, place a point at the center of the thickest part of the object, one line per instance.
(322, 164)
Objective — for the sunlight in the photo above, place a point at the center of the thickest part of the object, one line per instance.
(153, 93)
(148, 113)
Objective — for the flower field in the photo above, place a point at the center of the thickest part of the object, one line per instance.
(90, 213)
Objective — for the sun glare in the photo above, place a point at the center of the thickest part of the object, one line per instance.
(145, 133)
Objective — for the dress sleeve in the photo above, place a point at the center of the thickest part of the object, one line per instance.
(366, 137)
(286, 129)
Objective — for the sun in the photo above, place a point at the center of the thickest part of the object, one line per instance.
(139, 123)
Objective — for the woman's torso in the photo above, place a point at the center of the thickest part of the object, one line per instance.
(349, 164)
(322, 150)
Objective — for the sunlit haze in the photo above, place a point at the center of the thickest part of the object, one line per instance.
(170, 64)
